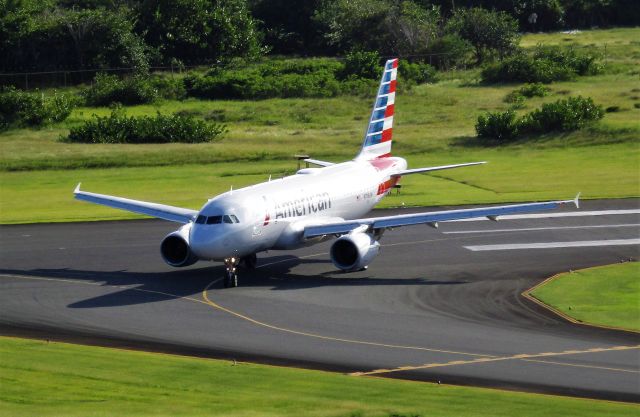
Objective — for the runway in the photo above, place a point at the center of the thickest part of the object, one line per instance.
(436, 305)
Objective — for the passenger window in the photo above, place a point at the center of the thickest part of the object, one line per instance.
(235, 219)
(201, 219)
(227, 219)
(214, 220)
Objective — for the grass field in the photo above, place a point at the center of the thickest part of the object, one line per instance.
(434, 124)
(512, 175)
(55, 379)
(608, 296)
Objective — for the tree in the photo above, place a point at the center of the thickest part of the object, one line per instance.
(197, 31)
(390, 27)
(353, 24)
(489, 32)
(40, 35)
(288, 25)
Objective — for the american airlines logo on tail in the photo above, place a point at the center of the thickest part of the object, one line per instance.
(377, 141)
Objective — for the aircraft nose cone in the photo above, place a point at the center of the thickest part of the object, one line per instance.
(211, 242)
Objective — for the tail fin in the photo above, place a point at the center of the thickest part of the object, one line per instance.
(377, 139)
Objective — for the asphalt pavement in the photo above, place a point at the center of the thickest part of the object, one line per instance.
(435, 305)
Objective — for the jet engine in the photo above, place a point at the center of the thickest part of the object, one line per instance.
(354, 251)
(175, 248)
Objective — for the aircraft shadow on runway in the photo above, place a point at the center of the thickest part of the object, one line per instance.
(149, 287)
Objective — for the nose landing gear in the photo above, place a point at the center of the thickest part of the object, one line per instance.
(231, 268)
(231, 274)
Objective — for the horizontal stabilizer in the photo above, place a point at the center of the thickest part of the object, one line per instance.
(438, 168)
(318, 162)
(160, 211)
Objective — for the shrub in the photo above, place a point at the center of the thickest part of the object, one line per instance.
(118, 128)
(563, 115)
(534, 90)
(20, 109)
(524, 68)
(362, 64)
(299, 78)
(108, 89)
(449, 51)
(527, 91)
(579, 61)
(169, 88)
(498, 126)
(545, 65)
(417, 72)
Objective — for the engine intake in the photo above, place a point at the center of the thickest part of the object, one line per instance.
(354, 251)
(175, 248)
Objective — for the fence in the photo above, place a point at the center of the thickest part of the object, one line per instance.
(65, 78)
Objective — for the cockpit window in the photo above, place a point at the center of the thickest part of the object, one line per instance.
(227, 218)
(214, 220)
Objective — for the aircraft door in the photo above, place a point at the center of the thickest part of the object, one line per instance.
(263, 216)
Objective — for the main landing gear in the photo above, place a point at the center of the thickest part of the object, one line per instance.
(231, 268)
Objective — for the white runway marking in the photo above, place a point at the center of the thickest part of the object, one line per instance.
(528, 229)
(547, 245)
(552, 215)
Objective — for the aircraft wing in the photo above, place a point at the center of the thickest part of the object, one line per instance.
(431, 218)
(438, 168)
(161, 211)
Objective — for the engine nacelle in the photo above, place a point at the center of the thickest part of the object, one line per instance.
(354, 251)
(175, 248)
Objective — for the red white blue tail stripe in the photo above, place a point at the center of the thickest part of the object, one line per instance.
(377, 140)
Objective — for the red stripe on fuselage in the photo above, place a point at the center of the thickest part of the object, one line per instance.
(387, 185)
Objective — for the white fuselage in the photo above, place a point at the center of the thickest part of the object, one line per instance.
(272, 215)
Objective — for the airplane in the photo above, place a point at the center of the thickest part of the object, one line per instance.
(314, 205)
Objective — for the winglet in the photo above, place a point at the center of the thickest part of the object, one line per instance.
(77, 190)
(576, 201)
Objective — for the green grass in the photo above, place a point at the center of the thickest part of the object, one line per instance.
(512, 175)
(607, 296)
(55, 379)
(434, 124)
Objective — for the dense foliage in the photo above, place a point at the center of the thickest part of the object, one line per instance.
(38, 35)
(199, 31)
(48, 35)
(560, 116)
(21, 109)
(119, 128)
(138, 89)
(489, 32)
(320, 77)
(563, 115)
(106, 89)
(544, 64)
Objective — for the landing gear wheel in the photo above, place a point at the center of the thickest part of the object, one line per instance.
(230, 275)
(250, 261)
